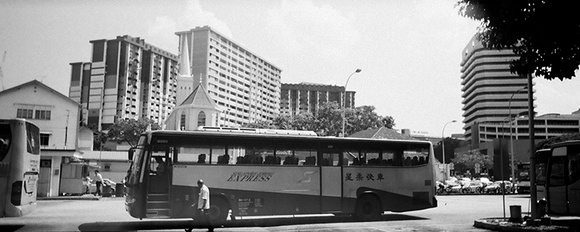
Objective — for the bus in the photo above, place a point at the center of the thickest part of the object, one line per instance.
(269, 173)
(19, 166)
(563, 179)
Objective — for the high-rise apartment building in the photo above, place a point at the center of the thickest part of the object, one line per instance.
(125, 79)
(308, 97)
(245, 86)
(490, 91)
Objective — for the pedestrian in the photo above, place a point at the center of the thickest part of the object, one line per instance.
(203, 204)
(98, 182)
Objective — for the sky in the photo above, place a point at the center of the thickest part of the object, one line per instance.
(409, 51)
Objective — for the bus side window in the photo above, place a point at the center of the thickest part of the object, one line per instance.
(289, 157)
(407, 160)
(213, 156)
(573, 167)
(306, 157)
(201, 158)
(351, 158)
(223, 159)
(373, 158)
(192, 155)
(388, 158)
(557, 172)
(330, 159)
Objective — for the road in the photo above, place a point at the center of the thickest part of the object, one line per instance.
(454, 213)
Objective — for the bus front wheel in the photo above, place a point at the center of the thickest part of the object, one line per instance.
(368, 207)
(219, 210)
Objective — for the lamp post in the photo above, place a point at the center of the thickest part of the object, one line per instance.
(344, 99)
(513, 176)
(443, 147)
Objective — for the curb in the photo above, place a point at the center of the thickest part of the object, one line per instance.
(500, 224)
(87, 198)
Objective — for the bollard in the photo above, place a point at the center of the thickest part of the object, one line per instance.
(515, 213)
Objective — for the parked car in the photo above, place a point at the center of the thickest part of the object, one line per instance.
(496, 187)
(485, 181)
(475, 186)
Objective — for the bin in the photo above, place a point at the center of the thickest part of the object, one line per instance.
(515, 213)
(106, 191)
(119, 190)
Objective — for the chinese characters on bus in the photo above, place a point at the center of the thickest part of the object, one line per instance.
(359, 176)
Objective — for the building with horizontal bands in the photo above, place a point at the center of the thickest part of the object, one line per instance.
(245, 86)
(545, 126)
(309, 97)
(125, 79)
(490, 91)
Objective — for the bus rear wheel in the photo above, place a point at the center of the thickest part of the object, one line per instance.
(368, 207)
(219, 209)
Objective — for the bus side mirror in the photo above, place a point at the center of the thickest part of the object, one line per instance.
(131, 152)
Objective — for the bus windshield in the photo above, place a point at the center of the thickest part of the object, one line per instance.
(136, 163)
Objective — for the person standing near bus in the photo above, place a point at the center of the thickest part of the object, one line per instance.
(98, 182)
(203, 204)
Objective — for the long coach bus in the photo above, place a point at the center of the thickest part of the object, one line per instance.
(254, 172)
(563, 179)
(19, 166)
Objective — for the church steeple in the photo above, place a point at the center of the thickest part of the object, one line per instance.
(184, 68)
(184, 80)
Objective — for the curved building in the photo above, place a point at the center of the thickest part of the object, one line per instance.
(490, 91)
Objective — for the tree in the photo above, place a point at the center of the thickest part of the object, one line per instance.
(99, 137)
(328, 120)
(469, 160)
(129, 130)
(450, 145)
(545, 34)
(548, 142)
(365, 118)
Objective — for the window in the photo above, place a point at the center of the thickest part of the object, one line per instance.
(182, 121)
(42, 114)
(557, 171)
(32, 143)
(201, 119)
(44, 139)
(5, 139)
(24, 113)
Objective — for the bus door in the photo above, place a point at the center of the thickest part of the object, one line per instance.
(542, 157)
(563, 187)
(158, 200)
(330, 180)
(159, 173)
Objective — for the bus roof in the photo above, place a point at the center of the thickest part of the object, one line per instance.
(231, 134)
(566, 143)
(257, 130)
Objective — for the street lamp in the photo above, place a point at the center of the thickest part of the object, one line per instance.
(511, 137)
(443, 147)
(344, 99)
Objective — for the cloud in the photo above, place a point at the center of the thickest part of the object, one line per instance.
(159, 33)
(162, 27)
(194, 16)
(307, 29)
